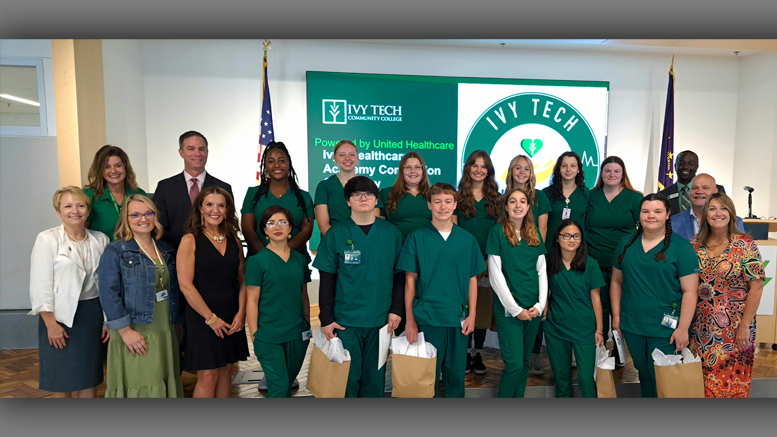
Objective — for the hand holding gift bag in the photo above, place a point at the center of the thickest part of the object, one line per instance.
(605, 384)
(330, 364)
(413, 368)
(678, 376)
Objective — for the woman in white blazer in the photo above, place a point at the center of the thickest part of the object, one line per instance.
(63, 291)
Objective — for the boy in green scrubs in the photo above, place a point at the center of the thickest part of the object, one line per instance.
(441, 262)
(277, 309)
(360, 292)
(654, 292)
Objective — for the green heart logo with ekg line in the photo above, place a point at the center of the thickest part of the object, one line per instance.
(531, 146)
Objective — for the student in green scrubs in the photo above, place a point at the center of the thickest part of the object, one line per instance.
(516, 265)
(613, 213)
(360, 291)
(479, 207)
(331, 206)
(111, 179)
(278, 308)
(278, 186)
(521, 175)
(574, 317)
(655, 280)
(404, 203)
(442, 262)
(567, 193)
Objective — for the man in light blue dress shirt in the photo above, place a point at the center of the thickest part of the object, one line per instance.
(686, 224)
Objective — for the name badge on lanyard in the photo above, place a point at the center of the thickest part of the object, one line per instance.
(162, 295)
(670, 320)
(352, 256)
(566, 213)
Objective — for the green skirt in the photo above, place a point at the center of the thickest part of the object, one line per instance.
(154, 375)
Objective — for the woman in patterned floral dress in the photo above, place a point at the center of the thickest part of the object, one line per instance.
(731, 277)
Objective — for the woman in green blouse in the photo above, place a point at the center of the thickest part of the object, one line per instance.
(479, 206)
(111, 179)
(613, 213)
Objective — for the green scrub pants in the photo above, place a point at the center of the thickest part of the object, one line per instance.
(641, 348)
(560, 355)
(281, 364)
(451, 347)
(516, 340)
(365, 380)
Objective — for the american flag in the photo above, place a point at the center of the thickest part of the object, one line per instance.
(266, 130)
(666, 163)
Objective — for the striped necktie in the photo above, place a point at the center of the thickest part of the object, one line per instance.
(685, 201)
(194, 190)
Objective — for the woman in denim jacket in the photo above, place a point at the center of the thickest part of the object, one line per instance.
(139, 295)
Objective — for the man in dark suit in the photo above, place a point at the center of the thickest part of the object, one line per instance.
(679, 194)
(686, 224)
(174, 196)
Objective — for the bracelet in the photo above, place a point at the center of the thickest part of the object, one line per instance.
(600, 334)
(212, 320)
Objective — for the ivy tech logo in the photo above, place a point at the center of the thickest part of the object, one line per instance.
(538, 125)
(334, 111)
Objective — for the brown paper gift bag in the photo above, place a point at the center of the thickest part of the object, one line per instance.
(605, 384)
(413, 377)
(325, 378)
(485, 308)
(680, 381)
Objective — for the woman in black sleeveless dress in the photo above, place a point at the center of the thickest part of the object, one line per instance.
(211, 276)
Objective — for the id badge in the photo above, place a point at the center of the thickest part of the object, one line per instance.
(353, 257)
(669, 320)
(463, 318)
(162, 295)
(566, 213)
(307, 335)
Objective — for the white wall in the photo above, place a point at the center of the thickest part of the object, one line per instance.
(214, 87)
(755, 158)
(125, 113)
(29, 176)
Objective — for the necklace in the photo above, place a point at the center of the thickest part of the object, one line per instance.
(218, 239)
(713, 246)
(77, 241)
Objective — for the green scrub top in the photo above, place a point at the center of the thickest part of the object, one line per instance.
(519, 265)
(330, 192)
(479, 224)
(571, 314)
(105, 211)
(609, 222)
(578, 204)
(539, 207)
(287, 200)
(444, 269)
(650, 287)
(412, 211)
(281, 316)
(363, 290)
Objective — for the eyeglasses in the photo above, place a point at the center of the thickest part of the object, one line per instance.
(576, 237)
(367, 196)
(135, 216)
(272, 225)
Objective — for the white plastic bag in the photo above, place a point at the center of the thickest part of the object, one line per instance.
(422, 349)
(660, 359)
(333, 349)
(603, 360)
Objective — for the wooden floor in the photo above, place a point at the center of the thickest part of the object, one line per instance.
(19, 373)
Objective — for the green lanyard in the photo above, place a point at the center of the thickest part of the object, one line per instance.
(113, 200)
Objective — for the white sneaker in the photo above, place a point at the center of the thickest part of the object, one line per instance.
(536, 365)
(263, 383)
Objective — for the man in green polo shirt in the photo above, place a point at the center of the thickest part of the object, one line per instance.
(441, 262)
(360, 291)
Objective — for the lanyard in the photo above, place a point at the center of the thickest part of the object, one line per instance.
(113, 201)
(159, 270)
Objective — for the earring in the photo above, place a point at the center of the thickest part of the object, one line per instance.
(289, 236)
(202, 219)
(267, 237)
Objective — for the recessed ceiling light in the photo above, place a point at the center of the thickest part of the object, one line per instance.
(19, 99)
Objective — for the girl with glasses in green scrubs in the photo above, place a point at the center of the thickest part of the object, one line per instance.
(479, 208)
(655, 279)
(574, 320)
(516, 265)
(613, 213)
(278, 307)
